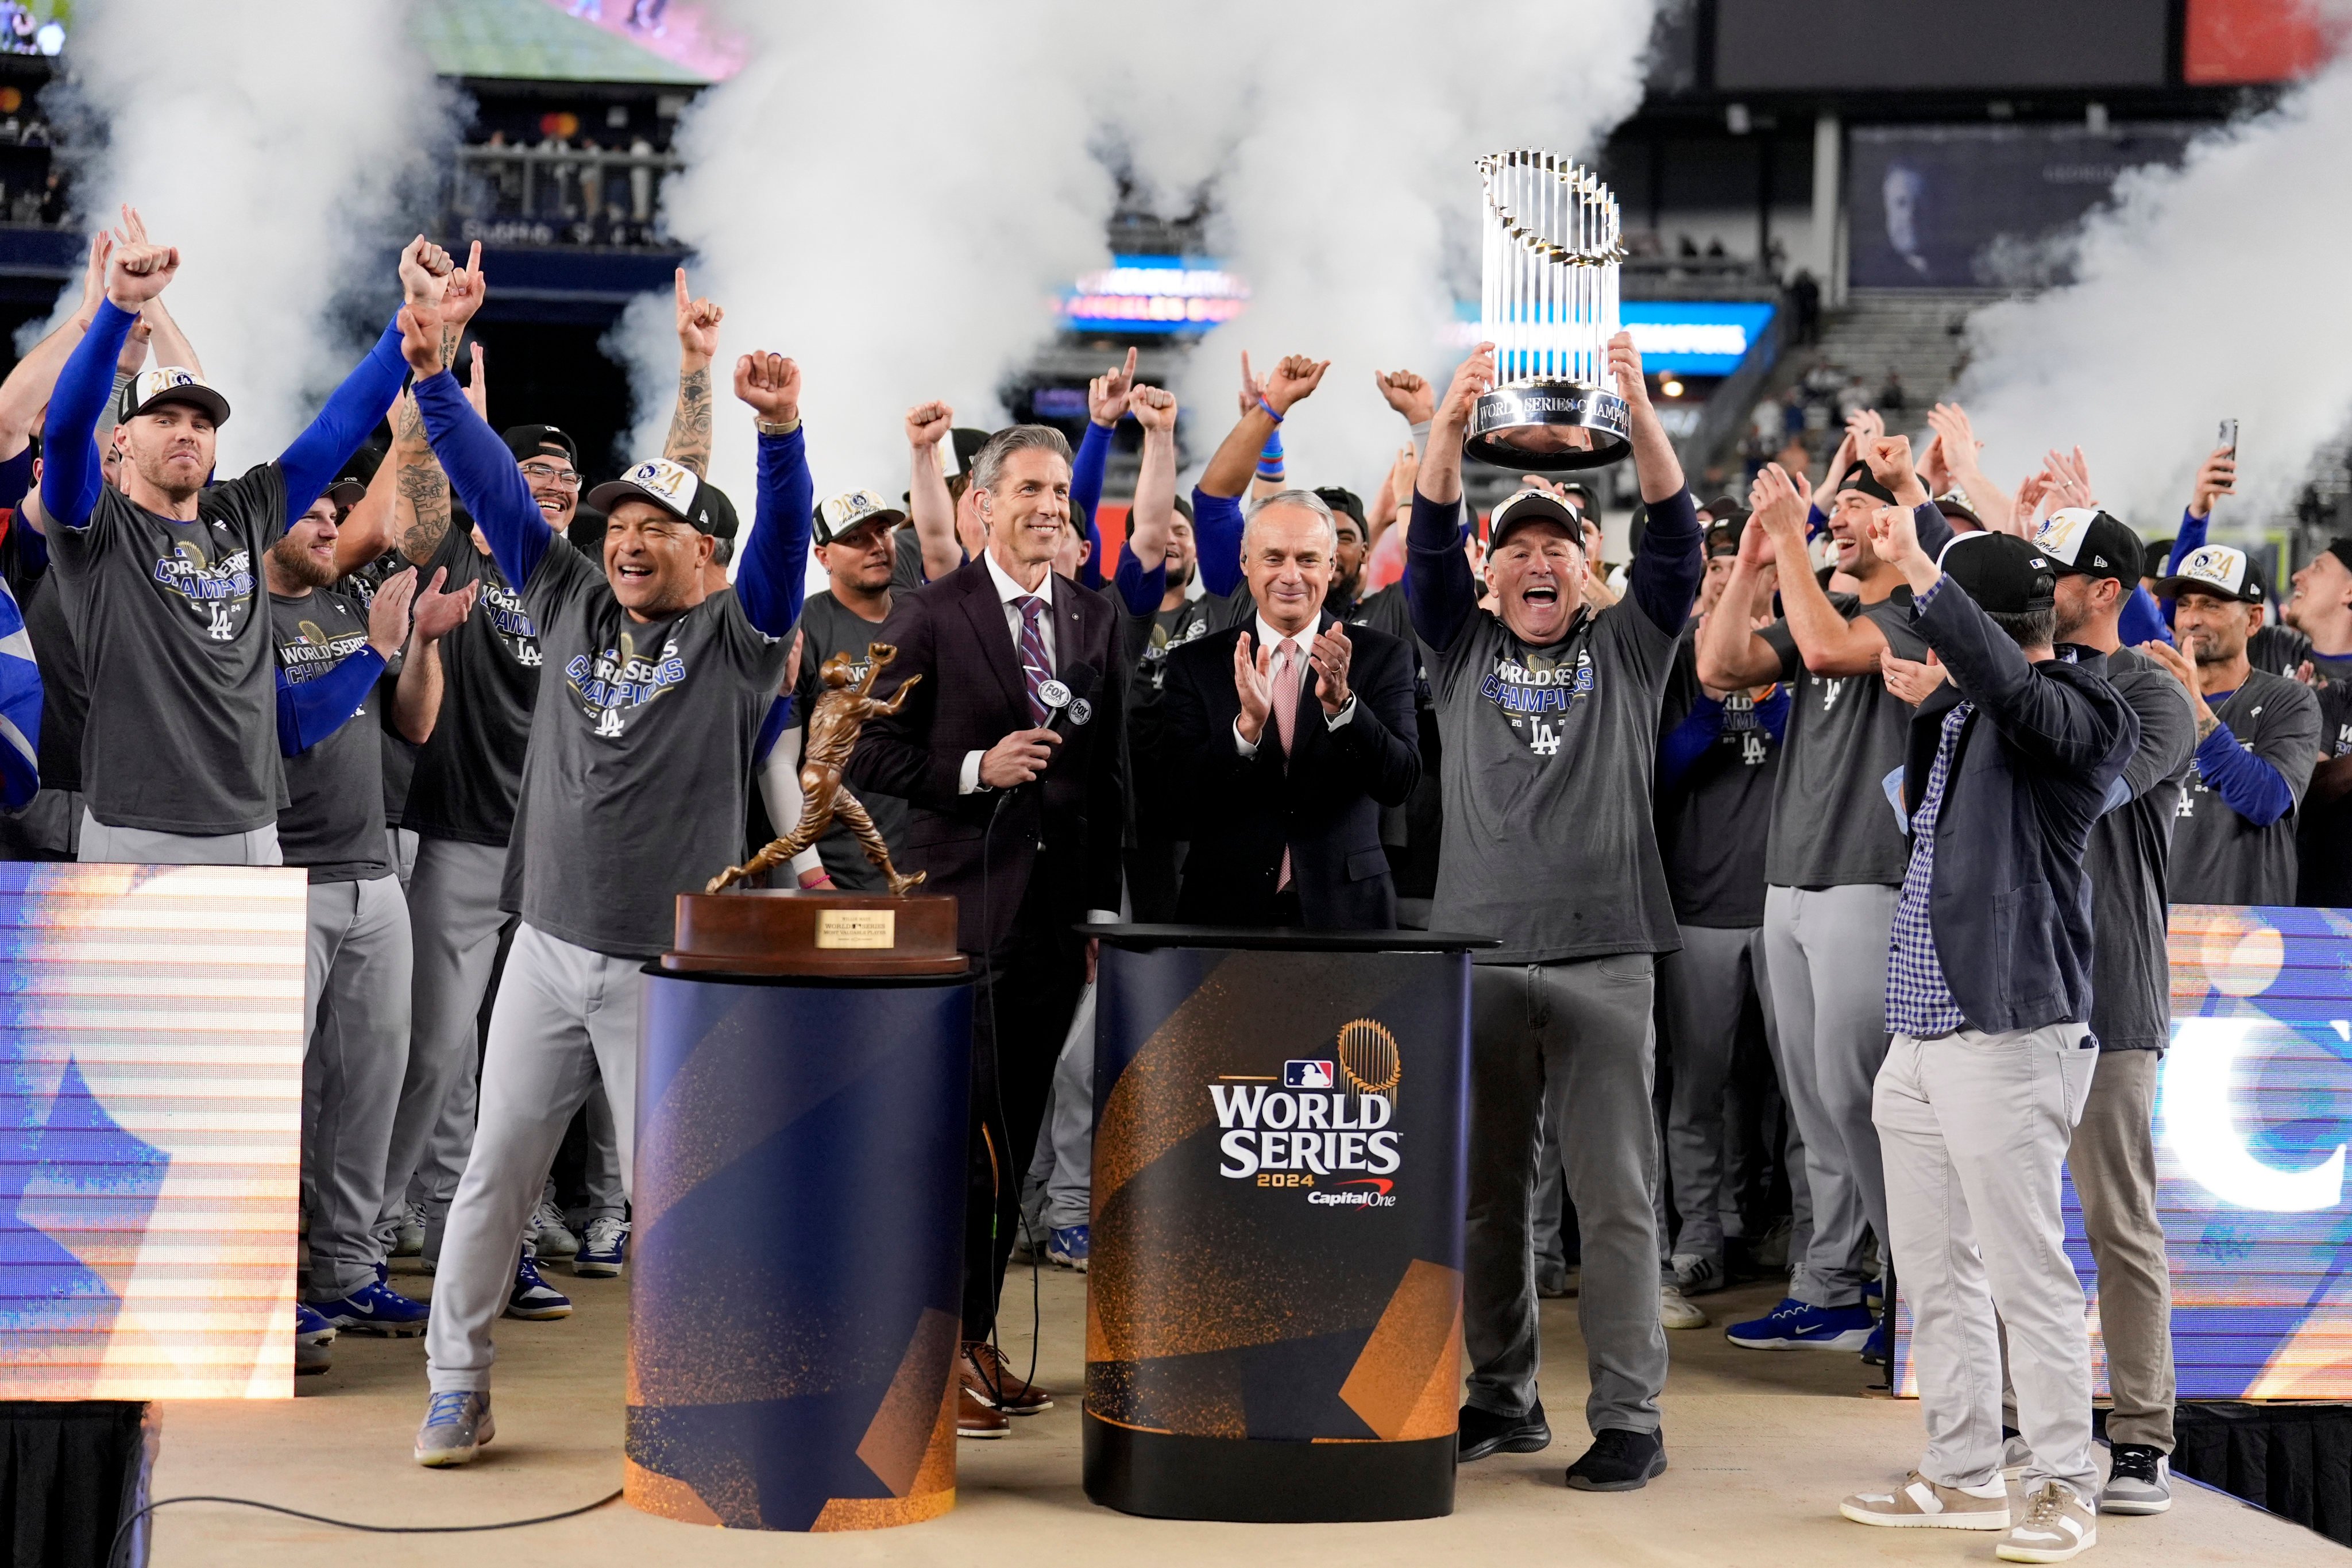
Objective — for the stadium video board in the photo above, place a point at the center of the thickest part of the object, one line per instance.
(151, 1130)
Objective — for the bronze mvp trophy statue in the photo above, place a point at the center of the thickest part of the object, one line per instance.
(1548, 301)
(761, 931)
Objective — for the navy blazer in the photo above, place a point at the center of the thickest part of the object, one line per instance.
(1324, 806)
(953, 634)
(2010, 904)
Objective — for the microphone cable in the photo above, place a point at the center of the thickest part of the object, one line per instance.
(122, 1532)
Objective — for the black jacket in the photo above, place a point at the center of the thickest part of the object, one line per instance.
(2010, 904)
(1325, 805)
(952, 633)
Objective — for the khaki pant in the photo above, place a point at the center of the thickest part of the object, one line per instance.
(2113, 1162)
(1975, 1129)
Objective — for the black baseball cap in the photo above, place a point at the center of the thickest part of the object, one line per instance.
(1723, 535)
(2341, 548)
(151, 389)
(1959, 514)
(1859, 477)
(2155, 558)
(967, 443)
(1531, 506)
(2087, 542)
(527, 441)
(676, 489)
(1723, 507)
(2219, 572)
(1339, 499)
(2004, 574)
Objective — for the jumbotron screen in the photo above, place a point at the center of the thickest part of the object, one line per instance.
(151, 1130)
(2254, 1113)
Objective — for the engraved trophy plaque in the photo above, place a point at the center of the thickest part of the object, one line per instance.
(1548, 301)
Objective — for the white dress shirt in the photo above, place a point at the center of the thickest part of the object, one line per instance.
(1268, 638)
(1010, 593)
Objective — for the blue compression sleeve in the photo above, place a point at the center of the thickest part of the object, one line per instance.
(1086, 495)
(310, 712)
(2247, 784)
(310, 465)
(2191, 538)
(1664, 577)
(779, 719)
(1217, 531)
(773, 580)
(484, 475)
(71, 475)
(1440, 589)
(1139, 590)
(1687, 741)
(2142, 620)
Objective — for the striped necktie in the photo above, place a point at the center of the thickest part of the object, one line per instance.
(1036, 668)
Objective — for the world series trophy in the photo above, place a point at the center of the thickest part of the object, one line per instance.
(1548, 301)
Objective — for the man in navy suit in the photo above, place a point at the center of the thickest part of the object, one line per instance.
(1287, 734)
(1007, 754)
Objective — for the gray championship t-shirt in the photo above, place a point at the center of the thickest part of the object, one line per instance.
(1831, 826)
(1549, 754)
(1715, 821)
(182, 734)
(2131, 978)
(2219, 857)
(828, 626)
(2323, 836)
(334, 823)
(469, 773)
(633, 791)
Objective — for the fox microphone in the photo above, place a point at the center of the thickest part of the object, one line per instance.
(1071, 699)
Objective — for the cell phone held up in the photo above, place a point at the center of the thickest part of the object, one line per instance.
(2228, 440)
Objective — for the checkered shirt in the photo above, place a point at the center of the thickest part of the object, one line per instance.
(1918, 1001)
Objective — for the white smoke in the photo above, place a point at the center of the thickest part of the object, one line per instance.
(1340, 141)
(900, 226)
(2215, 290)
(276, 150)
(889, 195)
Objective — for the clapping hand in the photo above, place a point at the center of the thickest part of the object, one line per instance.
(1909, 681)
(388, 612)
(438, 614)
(1329, 655)
(1254, 684)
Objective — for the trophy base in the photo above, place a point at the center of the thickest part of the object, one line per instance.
(1549, 428)
(763, 932)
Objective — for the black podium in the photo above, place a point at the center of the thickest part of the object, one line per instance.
(1274, 1305)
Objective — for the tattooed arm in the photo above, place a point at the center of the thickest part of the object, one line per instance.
(697, 340)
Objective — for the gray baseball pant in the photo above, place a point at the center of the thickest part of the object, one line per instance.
(355, 998)
(1061, 1177)
(453, 904)
(1825, 961)
(1705, 988)
(1976, 1128)
(104, 846)
(1571, 1044)
(563, 1016)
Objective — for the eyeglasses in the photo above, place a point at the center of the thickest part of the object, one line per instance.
(549, 473)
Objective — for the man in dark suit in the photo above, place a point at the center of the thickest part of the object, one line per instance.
(1287, 735)
(1007, 754)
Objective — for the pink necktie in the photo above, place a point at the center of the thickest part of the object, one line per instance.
(1285, 714)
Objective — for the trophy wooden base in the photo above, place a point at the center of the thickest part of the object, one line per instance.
(762, 931)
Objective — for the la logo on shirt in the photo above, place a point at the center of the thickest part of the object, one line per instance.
(1535, 694)
(614, 687)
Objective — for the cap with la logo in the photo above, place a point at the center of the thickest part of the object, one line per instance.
(2219, 572)
(152, 389)
(674, 488)
(2084, 542)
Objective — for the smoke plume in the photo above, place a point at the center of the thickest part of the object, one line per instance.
(901, 230)
(1338, 144)
(2205, 292)
(890, 195)
(277, 149)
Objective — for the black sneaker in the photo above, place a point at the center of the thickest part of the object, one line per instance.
(1619, 1461)
(1482, 1432)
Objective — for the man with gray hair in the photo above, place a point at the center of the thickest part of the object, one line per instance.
(1006, 750)
(1290, 834)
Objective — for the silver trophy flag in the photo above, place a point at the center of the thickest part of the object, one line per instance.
(1548, 301)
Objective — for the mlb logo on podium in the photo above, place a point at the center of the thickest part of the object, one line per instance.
(1307, 1075)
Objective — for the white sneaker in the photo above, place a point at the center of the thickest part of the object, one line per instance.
(1674, 1311)
(1922, 1504)
(549, 1236)
(1695, 1275)
(408, 1237)
(2057, 1524)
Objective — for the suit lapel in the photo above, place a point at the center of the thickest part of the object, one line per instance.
(986, 613)
(1067, 621)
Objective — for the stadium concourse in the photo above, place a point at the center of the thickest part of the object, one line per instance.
(1753, 1436)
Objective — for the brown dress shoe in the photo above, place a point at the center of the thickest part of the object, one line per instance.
(974, 1419)
(988, 1379)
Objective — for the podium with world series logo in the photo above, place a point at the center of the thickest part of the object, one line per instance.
(1274, 1300)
